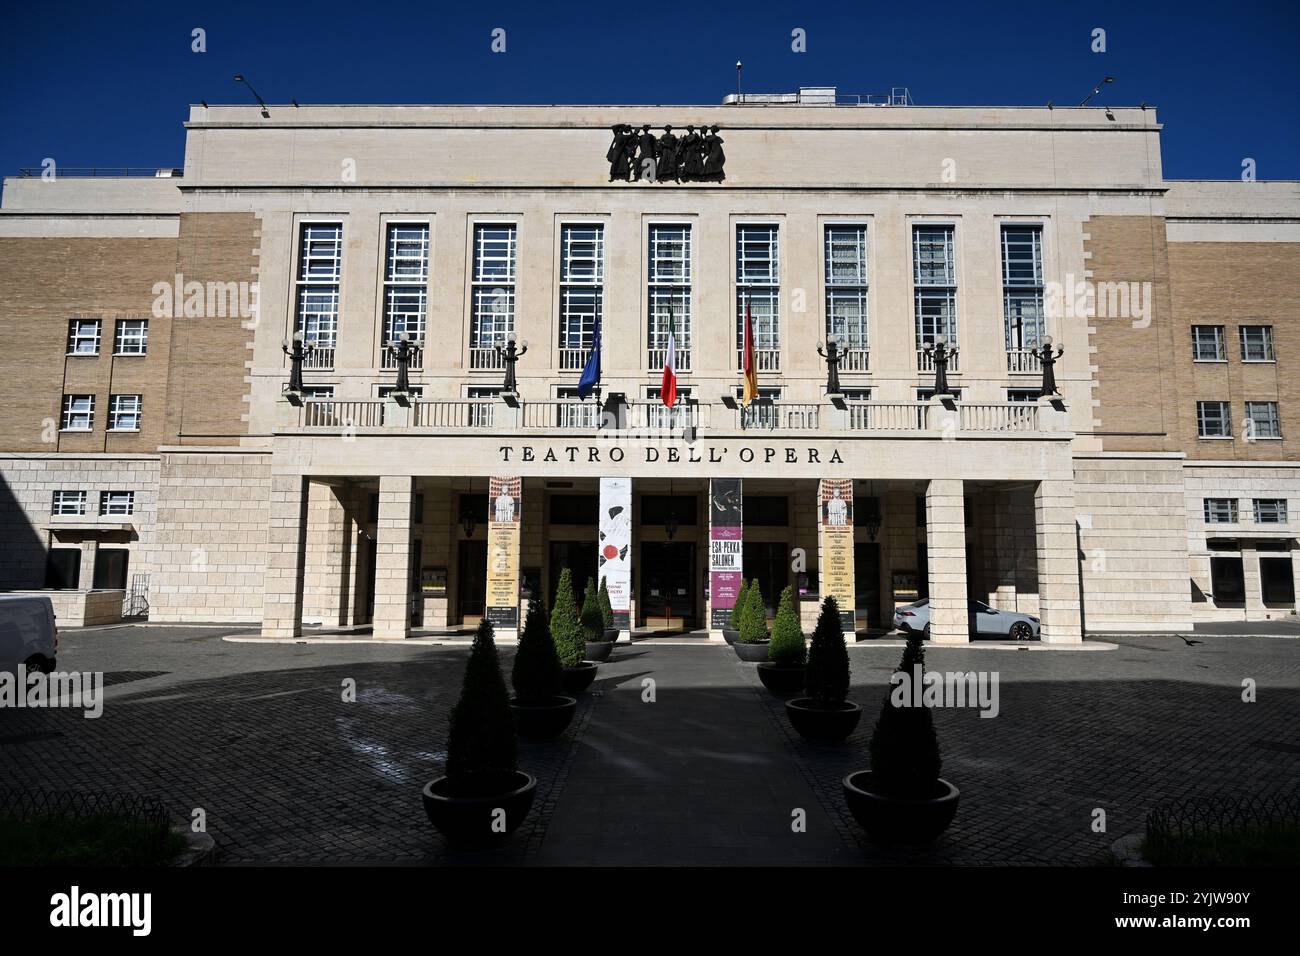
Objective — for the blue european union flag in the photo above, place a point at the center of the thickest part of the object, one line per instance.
(591, 371)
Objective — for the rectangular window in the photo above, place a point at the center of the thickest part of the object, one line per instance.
(846, 293)
(415, 391)
(1262, 420)
(572, 412)
(69, 503)
(684, 412)
(1256, 343)
(582, 278)
(1208, 344)
(1022, 287)
(1270, 510)
(925, 394)
(318, 392)
(1220, 510)
(116, 503)
(1022, 394)
(934, 275)
(669, 295)
(78, 413)
(124, 413)
(758, 289)
(83, 337)
(1213, 420)
(483, 399)
(492, 315)
(320, 270)
(1227, 581)
(762, 411)
(406, 288)
(131, 337)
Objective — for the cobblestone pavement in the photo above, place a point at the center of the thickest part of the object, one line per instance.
(258, 736)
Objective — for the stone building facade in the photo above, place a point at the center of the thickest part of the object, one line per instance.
(143, 319)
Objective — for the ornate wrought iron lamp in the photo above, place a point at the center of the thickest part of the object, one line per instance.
(511, 354)
(403, 352)
(941, 353)
(833, 354)
(1048, 360)
(297, 354)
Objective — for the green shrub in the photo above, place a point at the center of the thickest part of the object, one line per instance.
(826, 679)
(905, 760)
(787, 647)
(566, 630)
(592, 617)
(606, 608)
(536, 674)
(738, 610)
(753, 619)
(481, 738)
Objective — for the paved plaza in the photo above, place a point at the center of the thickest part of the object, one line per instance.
(677, 756)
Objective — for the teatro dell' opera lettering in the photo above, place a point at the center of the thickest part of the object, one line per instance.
(672, 454)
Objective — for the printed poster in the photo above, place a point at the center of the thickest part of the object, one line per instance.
(835, 525)
(726, 548)
(504, 502)
(614, 562)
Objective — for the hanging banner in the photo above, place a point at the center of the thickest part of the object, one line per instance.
(835, 526)
(726, 544)
(614, 562)
(504, 501)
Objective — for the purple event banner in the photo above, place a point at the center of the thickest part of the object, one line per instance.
(726, 555)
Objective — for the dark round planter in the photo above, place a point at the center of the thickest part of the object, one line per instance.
(752, 653)
(781, 678)
(539, 722)
(599, 650)
(893, 821)
(579, 677)
(730, 635)
(826, 725)
(465, 812)
(611, 634)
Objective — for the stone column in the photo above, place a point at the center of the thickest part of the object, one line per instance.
(1254, 588)
(945, 532)
(1058, 563)
(286, 546)
(393, 558)
(86, 573)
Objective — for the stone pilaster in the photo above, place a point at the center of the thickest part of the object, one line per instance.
(1254, 587)
(392, 619)
(286, 545)
(1058, 563)
(945, 511)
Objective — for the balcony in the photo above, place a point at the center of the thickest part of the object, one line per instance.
(388, 361)
(320, 357)
(1023, 362)
(485, 359)
(925, 361)
(657, 358)
(767, 360)
(855, 360)
(573, 359)
(778, 416)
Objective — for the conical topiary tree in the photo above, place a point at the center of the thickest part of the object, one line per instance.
(592, 618)
(606, 608)
(787, 647)
(481, 738)
(566, 630)
(826, 678)
(753, 619)
(738, 609)
(536, 675)
(905, 760)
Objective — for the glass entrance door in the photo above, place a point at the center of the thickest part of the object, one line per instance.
(668, 583)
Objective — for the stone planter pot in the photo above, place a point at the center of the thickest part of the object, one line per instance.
(546, 721)
(611, 634)
(579, 677)
(894, 821)
(825, 725)
(730, 635)
(464, 811)
(752, 653)
(781, 679)
(599, 651)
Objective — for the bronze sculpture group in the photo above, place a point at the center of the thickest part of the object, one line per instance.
(694, 157)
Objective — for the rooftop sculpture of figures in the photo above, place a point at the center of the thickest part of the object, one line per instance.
(696, 157)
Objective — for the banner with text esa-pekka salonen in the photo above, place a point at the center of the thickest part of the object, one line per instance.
(504, 500)
(614, 561)
(726, 544)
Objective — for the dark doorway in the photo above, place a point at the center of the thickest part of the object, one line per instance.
(580, 558)
(668, 581)
(1227, 582)
(769, 563)
(1276, 581)
(866, 581)
(922, 572)
(471, 580)
(417, 595)
(371, 554)
(110, 568)
(63, 569)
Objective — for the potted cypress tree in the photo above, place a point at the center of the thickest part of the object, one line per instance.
(732, 634)
(541, 710)
(824, 714)
(483, 797)
(592, 619)
(751, 646)
(566, 632)
(783, 671)
(607, 612)
(902, 798)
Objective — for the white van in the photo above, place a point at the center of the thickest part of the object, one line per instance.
(28, 634)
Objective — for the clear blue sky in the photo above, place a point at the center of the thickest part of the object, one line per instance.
(109, 83)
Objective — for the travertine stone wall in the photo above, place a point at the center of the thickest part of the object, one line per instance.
(211, 549)
(946, 547)
(1131, 511)
(393, 558)
(1058, 565)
